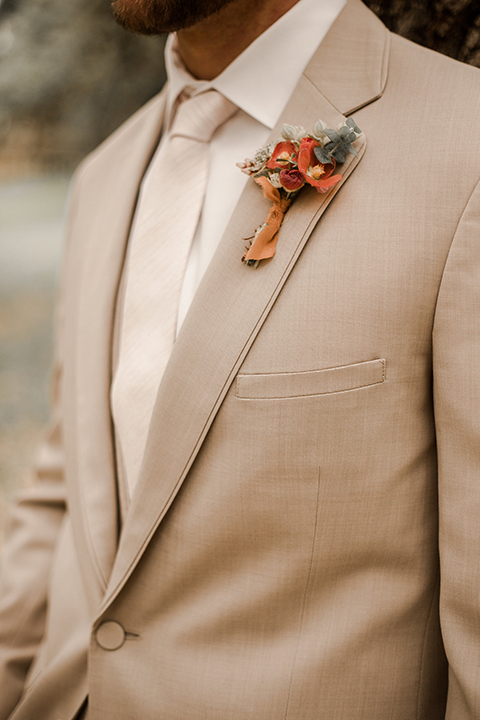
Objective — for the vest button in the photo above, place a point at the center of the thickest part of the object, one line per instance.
(110, 635)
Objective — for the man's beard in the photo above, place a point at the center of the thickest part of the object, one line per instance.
(154, 17)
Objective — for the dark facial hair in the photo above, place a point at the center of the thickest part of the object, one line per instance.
(155, 17)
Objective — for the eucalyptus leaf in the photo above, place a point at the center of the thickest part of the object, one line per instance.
(322, 155)
(339, 154)
(333, 135)
(352, 124)
(348, 136)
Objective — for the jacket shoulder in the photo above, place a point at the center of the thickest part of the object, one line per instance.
(421, 62)
(441, 95)
(146, 121)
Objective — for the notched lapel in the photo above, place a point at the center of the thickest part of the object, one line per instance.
(228, 311)
(351, 65)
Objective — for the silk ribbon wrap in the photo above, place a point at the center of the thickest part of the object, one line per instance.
(266, 236)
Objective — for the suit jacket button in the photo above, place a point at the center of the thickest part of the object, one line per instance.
(110, 635)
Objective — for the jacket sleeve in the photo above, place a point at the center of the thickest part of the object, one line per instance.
(35, 521)
(34, 525)
(456, 373)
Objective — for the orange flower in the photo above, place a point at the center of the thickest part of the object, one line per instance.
(317, 174)
(284, 155)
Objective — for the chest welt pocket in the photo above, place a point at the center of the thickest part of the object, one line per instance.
(273, 386)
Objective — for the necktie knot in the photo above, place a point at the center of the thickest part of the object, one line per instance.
(199, 117)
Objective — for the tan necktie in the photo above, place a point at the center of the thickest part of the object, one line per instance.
(164, 226)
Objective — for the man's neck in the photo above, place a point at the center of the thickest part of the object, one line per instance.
(210, 46)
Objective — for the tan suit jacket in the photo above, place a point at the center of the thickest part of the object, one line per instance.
(312, 474)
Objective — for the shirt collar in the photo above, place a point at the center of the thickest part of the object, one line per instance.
(262, 78)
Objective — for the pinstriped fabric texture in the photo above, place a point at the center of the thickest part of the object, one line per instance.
(167, 216)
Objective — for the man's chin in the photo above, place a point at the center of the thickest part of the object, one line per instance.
(156, 17)
(139, 16)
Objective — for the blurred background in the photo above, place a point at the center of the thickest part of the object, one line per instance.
(68, 77)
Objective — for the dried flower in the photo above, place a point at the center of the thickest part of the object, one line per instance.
(282, 170)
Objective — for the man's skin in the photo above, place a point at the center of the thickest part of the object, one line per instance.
(207, 44)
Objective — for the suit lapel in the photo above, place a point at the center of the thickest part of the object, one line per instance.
(100, 241)
(233, 300)
(351, 64)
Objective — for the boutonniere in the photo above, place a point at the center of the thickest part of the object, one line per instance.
(282, 170)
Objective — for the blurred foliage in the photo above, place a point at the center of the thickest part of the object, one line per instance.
(69, 76)
(451, 27)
